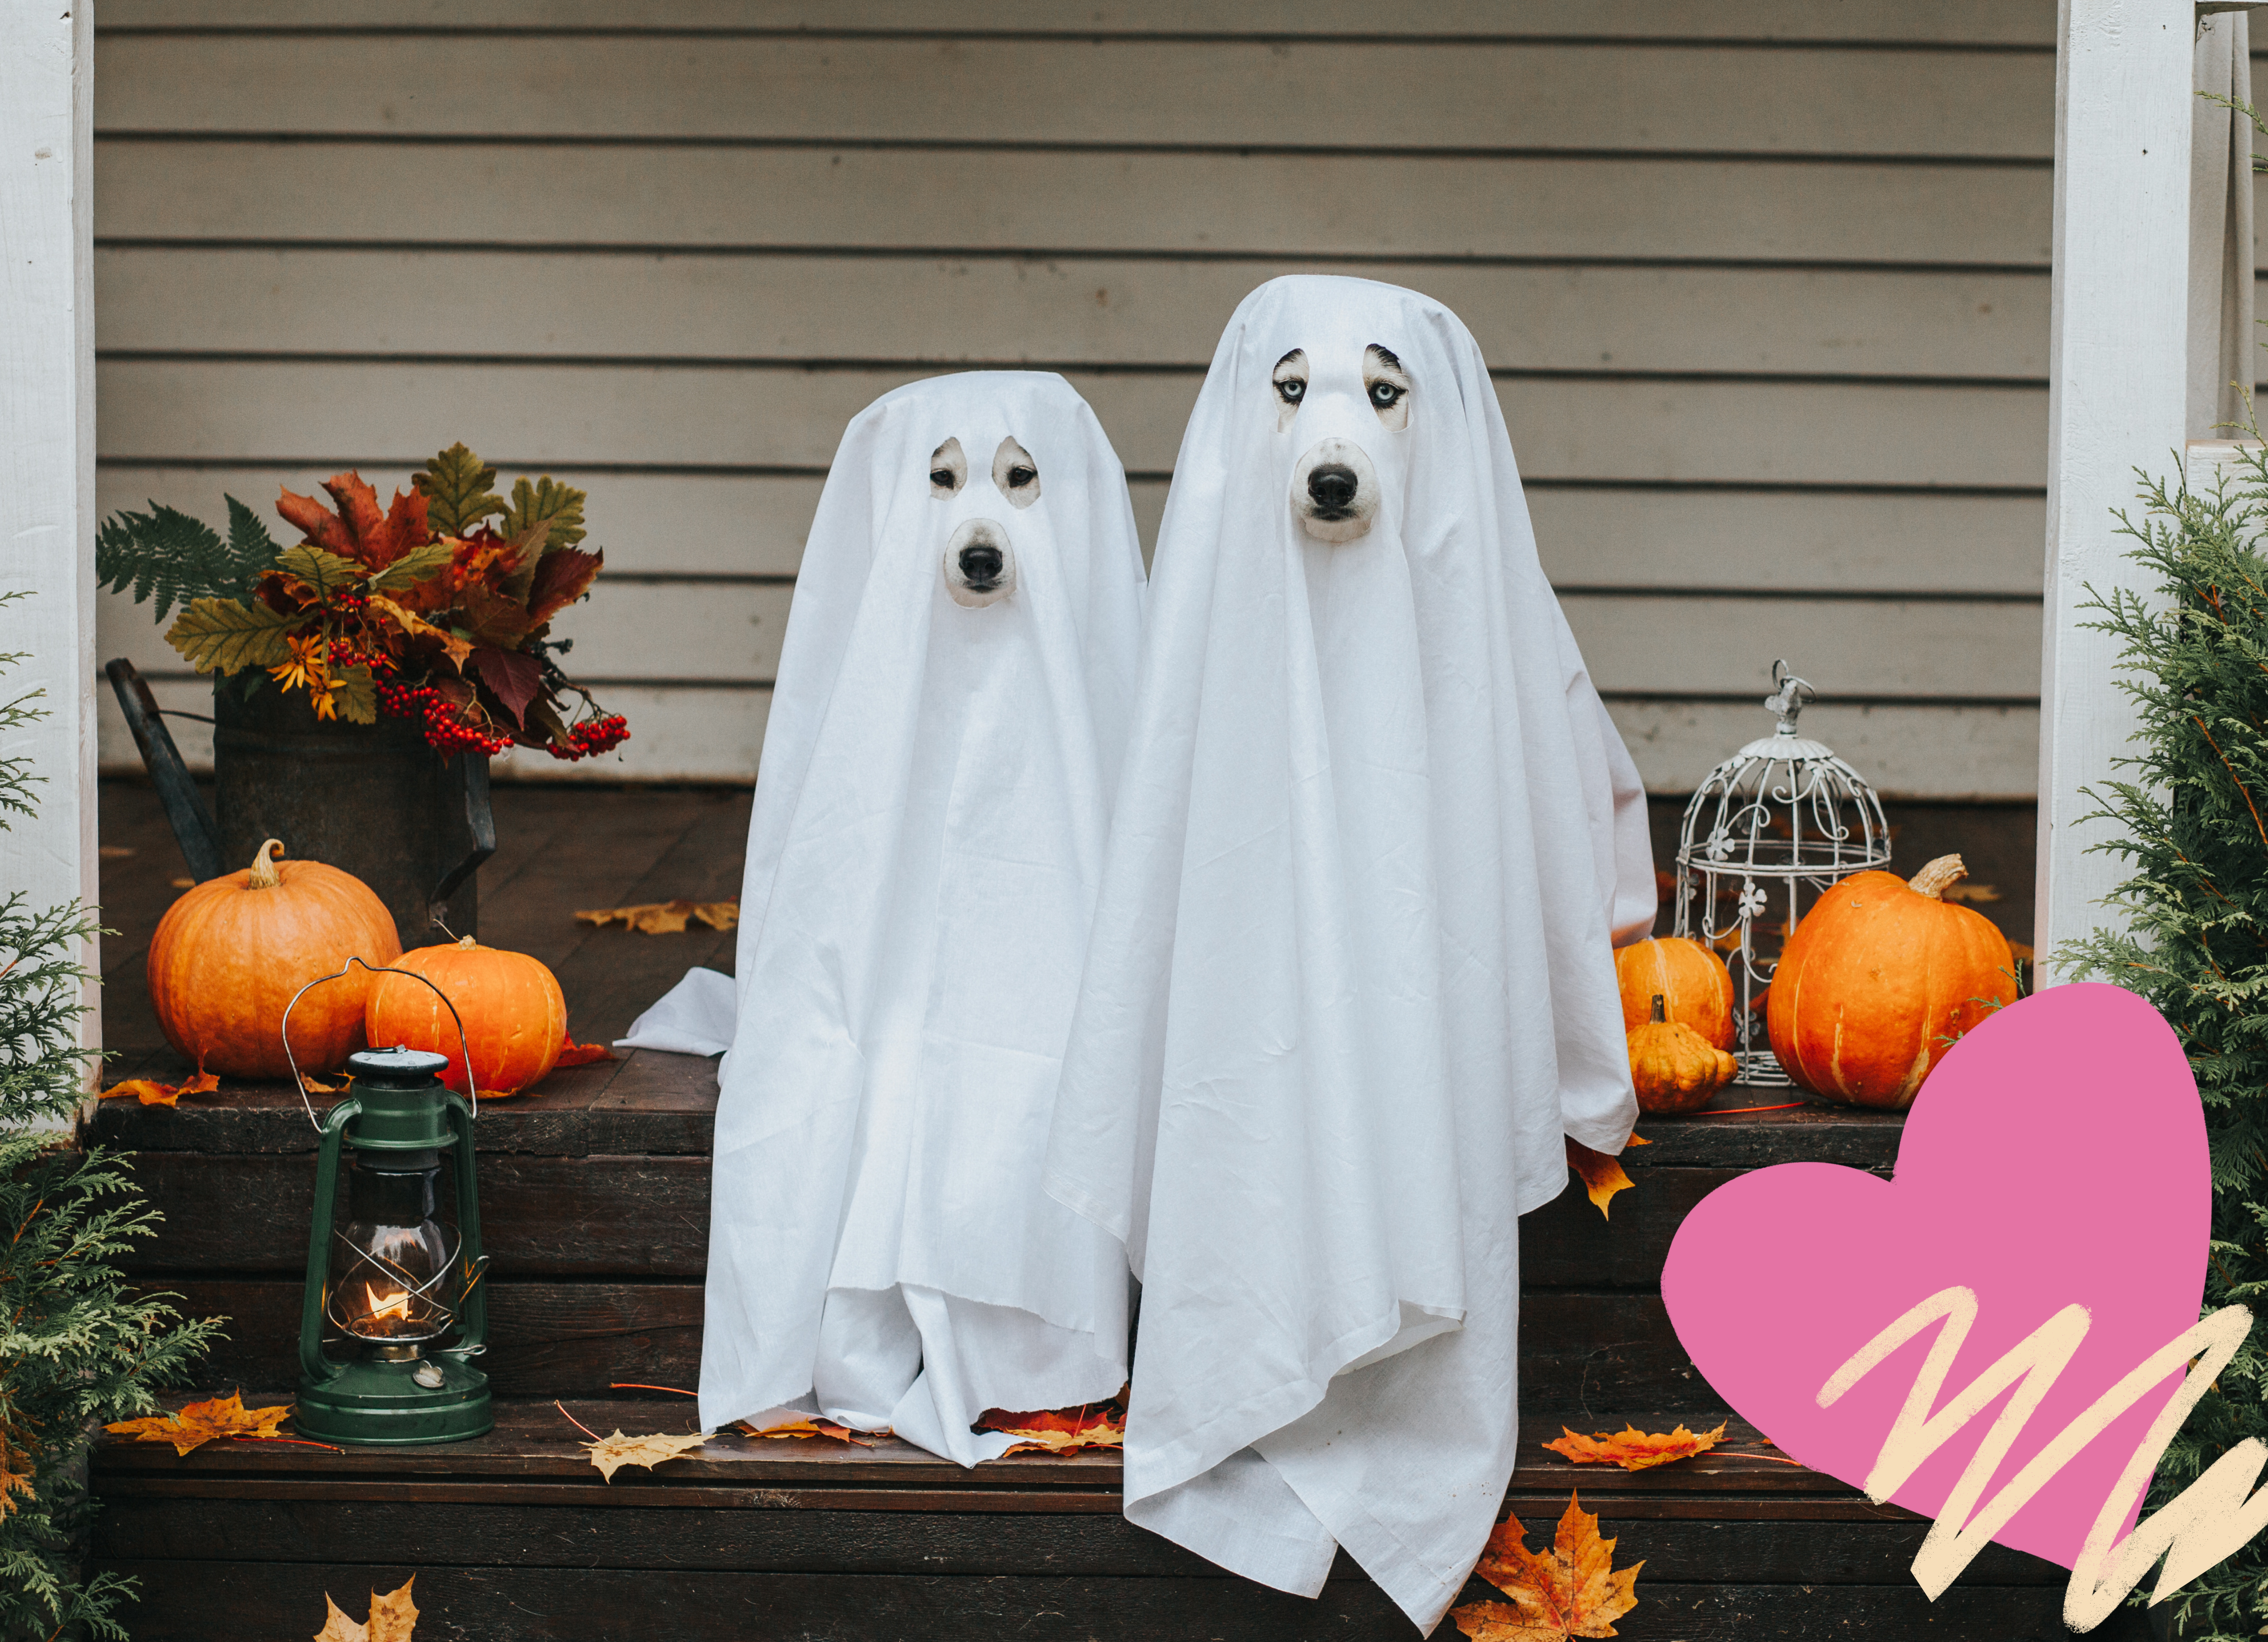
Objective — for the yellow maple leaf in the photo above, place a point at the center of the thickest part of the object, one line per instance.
(666, 918)
(393, 1618)
(200, 1423)
(1602, 1175)
(611, 1454)
(1635, 1450)
(1571, 1590)
(151, 1093)
(814, 1427)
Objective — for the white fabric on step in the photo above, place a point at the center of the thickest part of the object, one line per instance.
(1351, 978)
(924, 856)
(694, 1017)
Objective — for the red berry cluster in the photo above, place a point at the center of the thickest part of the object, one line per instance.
(444, 730)
(593, 737)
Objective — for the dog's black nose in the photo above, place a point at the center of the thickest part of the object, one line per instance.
(1333, 486)
(980, 565)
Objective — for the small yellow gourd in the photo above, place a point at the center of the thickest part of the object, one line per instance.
(1674, 1068)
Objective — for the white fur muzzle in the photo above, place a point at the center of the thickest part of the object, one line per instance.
(1335, 491)
(980, 566)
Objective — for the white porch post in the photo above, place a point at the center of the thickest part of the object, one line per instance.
(46, 439)
(2117, 367)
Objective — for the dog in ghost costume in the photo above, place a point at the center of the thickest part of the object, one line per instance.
(1351, 979)
(926, 843)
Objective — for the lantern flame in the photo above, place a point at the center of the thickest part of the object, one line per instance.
(395, 1305)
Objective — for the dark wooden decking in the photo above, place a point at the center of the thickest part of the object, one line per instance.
(594, 1198)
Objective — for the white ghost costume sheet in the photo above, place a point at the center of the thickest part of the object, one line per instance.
(952, 702)
(1351, 979)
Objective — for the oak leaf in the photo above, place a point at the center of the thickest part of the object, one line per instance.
(1635, 1450)
(555, 506)
(1602, 1175)
(455, 485)
(393, 1618)
(814, 1427)
(1571, 1590)
(200, 1423)
(414, 566)
(611, 1454)
(151, 1093)
(666, 918)
(220, 634)
(1059, 1430)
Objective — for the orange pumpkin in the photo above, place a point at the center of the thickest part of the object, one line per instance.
(1877, 978)
(1673, 1067)
(1695, 986)
(514, 1015)
(229, 953)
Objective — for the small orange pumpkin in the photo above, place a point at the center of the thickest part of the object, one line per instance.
(1692, 982)
(229, 953)
(1877, 978)
(514, 1014)
(1675, 1068)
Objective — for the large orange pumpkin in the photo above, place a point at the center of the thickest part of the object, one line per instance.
(1692, 982)
(229, 953)
(1877, 978)
(514, 1014)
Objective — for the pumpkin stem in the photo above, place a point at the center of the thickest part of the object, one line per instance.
(264, 876)
(1938, 877)
(1657, 1017)
(464, 942)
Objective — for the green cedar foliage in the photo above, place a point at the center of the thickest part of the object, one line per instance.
(169, 556)
(2192, 929)
(77, 1347)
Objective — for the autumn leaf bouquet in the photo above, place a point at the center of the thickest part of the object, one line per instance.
(437, 609)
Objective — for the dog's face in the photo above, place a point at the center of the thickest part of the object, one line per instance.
(980, 560)
(1344, 405)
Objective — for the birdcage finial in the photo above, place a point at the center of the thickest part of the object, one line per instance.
(1790, 696)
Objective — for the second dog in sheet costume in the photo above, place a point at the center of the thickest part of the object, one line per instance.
(1351, 979)
(925, 847)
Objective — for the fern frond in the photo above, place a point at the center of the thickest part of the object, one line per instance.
(174, 558)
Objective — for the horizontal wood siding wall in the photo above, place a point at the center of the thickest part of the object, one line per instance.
(1764, 286)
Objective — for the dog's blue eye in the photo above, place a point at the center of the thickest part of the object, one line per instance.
(1383, 394)
(1292, 388)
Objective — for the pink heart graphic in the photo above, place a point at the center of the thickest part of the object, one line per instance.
(2057, 1154)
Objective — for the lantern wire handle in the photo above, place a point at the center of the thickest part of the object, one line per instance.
(472, 1083)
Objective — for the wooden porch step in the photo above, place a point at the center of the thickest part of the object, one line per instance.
(515, 1536)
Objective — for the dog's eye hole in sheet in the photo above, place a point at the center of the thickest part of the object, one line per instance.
(1387, 386)
(949, 469)
(1015, 474)
(1291, 377)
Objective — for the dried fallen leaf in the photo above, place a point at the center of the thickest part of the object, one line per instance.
(184, 884)
(1602, 1176)
(200, 1423)
(1571, 1590)
(316, 1086)
(666, 918)
(575, 1054)
(151, 1093)
(1059, 1430)
(1635, 1450)
(814, 1427)
(611, 1454)
(393, 1618)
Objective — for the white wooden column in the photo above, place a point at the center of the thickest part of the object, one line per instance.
(2117, 367)
(46, 439)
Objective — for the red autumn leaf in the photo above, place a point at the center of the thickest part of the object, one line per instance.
(575, 1054)
(359, 530)
(1635, 1450)
(563, 575)
(1573, 1589)
(1060, 1430)
(514, 675)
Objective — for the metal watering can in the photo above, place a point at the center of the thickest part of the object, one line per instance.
(373, 800)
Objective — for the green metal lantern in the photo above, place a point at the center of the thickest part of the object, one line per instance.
(394, 1313)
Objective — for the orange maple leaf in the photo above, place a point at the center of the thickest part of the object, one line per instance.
(574, 1054)
(1571, 1590)
(358, 529)
(1060, 1430)
(200, 1423)
(813, 1427)
(151, 1093)
(393, 1618)
(1602, 1176)
(1635, 1450)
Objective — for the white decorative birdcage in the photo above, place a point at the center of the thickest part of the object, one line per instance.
(1770, 830)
